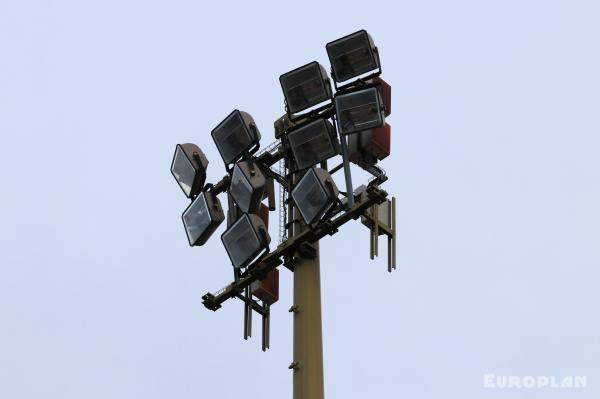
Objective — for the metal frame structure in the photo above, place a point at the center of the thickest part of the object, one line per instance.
(286, 250)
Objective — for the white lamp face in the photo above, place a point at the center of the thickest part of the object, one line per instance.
(232, 137)
(358, 111)
(351, 56)
(310, 197)
(304, 87)
(183, 171)
(241, 242)
(241, 189)
(311, 144)
(196, 219)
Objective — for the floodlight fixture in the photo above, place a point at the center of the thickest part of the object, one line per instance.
(385, 91)
(267, 289)
(315, 194)
(370, 146)
(236, 136)
(359, 110)
(305, 87)
(245, 240)
(202, 217)
(352, 56)
(189, 168)
(313, 143)
(247, 186)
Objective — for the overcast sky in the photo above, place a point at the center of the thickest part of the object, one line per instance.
(495, 167)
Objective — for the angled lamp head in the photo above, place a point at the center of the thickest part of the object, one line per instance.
(313, 143)
(235, 136)
(352, 56)
(245, 240)
(359, 110)
(305, 87)
(314, 194)
(189, 168)
(247, 186)
(202, 217)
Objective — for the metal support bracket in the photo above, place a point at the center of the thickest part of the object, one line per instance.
(294, 366)
(381, 219)
(307, 250)
(347, 173)
(266, 327)
(267, 262)
(247, 314)
(264, 310)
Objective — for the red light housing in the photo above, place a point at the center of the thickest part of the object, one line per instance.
(368, 147)
(263, 213)
(385, 91)
(267, 289)
(380, 142)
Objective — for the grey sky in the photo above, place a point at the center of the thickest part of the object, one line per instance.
(495, 165)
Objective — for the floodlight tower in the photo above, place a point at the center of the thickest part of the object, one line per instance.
(319, 124)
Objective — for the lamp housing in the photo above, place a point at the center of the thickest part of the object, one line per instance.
(247, 186)
(267, 289)
(235, 136)
(305, 87)
(189, 168)
(314, 194)
(359, 110)
(352, 56)
(245, 239)
(370, 146)
(202, 217)
(385, 91)
(313, 143)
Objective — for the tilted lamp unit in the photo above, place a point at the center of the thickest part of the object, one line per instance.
(305, 87)
(314, 194)
(313, 143)
(235, 136)
(247, 186)
(245, 240)
(189, 168)
(202, 217)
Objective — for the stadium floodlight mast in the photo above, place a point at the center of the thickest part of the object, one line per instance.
(319, 126)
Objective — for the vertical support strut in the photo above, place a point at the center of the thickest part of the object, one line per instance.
(381, 226)
(392, 238)
(347, 172)
(374, 232)
(372, 236)
(266, 327)
(247, 314)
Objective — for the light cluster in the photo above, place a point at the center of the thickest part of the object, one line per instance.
(320, 121)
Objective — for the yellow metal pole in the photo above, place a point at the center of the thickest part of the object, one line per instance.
(308, 335)
(308, 341)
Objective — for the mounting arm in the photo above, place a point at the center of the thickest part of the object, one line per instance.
(259, 269)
